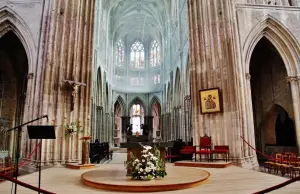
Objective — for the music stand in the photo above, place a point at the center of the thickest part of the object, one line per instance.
(41, 132)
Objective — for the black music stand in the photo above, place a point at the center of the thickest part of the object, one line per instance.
(41, 132)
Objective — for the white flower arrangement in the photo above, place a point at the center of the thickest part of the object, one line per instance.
(148, 166)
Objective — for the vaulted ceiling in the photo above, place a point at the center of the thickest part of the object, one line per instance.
(139, 19)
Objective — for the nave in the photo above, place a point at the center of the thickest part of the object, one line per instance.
(230, 180)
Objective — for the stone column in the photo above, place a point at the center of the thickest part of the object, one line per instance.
(68, 42)
(149, 122)
(213, 62)
(294, 83)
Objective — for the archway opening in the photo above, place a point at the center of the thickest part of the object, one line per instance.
(13, 86)
(118, 113)
(269, 88)
(156, 113)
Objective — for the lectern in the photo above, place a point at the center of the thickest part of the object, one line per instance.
(85, 149)
(41, 132)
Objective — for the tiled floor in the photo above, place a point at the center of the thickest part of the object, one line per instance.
(231, 180)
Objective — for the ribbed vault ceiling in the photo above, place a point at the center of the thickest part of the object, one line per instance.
(139, 19)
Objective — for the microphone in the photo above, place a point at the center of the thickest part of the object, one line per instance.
(46, 116)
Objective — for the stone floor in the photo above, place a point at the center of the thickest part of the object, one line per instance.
(231, 180)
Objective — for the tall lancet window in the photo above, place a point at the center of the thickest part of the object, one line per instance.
(120, 52)
(155, 54)
(137, 55)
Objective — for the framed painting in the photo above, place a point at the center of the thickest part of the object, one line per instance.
(210, 101)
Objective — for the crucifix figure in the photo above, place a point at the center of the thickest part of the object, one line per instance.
(75, 85)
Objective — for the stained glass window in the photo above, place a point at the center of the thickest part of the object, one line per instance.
(136, 109)
(120, 52)
(137, 81)
(156, 79)
(155, 54)
(137, 55)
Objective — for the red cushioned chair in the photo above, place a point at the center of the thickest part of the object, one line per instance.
(187, 150)
(221, 149)
(205, 147)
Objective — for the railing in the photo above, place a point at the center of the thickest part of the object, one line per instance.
(276, 186)
(25, 184)
(279, 185)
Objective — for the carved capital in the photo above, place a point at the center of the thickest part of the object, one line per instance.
(292, 79)
(248, 76)
(30, 76)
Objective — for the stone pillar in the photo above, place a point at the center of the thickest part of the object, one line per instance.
(294, 83)
(213, 64)
(67, 55)
(149, 122)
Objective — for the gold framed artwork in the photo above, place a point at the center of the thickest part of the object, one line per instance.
(210, 101)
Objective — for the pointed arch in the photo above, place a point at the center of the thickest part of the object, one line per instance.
(136, 100)
(154, 100)
(11, 21)
(282, 39)
(120, 100)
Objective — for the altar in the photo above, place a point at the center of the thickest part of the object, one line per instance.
(135, 147)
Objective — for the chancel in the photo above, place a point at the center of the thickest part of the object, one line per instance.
(151, 95)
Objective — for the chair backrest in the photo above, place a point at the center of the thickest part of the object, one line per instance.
(205, 142)
(278, 157)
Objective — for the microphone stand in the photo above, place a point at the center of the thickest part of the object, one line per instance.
(19, 130)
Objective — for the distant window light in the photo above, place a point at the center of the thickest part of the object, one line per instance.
(136, 109)
(156, 79)
(137, 55)
(136, 81)
(155, 54)
(120, 53)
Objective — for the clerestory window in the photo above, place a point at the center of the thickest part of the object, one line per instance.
(137, 55)
(155, 54)
(156, 79)
(120, 53)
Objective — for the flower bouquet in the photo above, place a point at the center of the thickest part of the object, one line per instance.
(148, 166)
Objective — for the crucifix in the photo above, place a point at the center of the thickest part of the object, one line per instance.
(75, 85)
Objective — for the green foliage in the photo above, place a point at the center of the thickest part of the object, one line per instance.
(73, 127)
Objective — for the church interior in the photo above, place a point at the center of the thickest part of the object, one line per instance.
(171, 96)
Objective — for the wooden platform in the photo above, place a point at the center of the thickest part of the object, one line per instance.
(80, 166)
(217, 164)
(116, 180)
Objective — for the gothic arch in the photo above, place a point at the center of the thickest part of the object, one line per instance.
(280, 37)
(152, 103)
(120, 100)
(134, 100)
(11, 21)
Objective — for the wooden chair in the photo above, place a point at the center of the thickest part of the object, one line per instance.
(204, 147)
